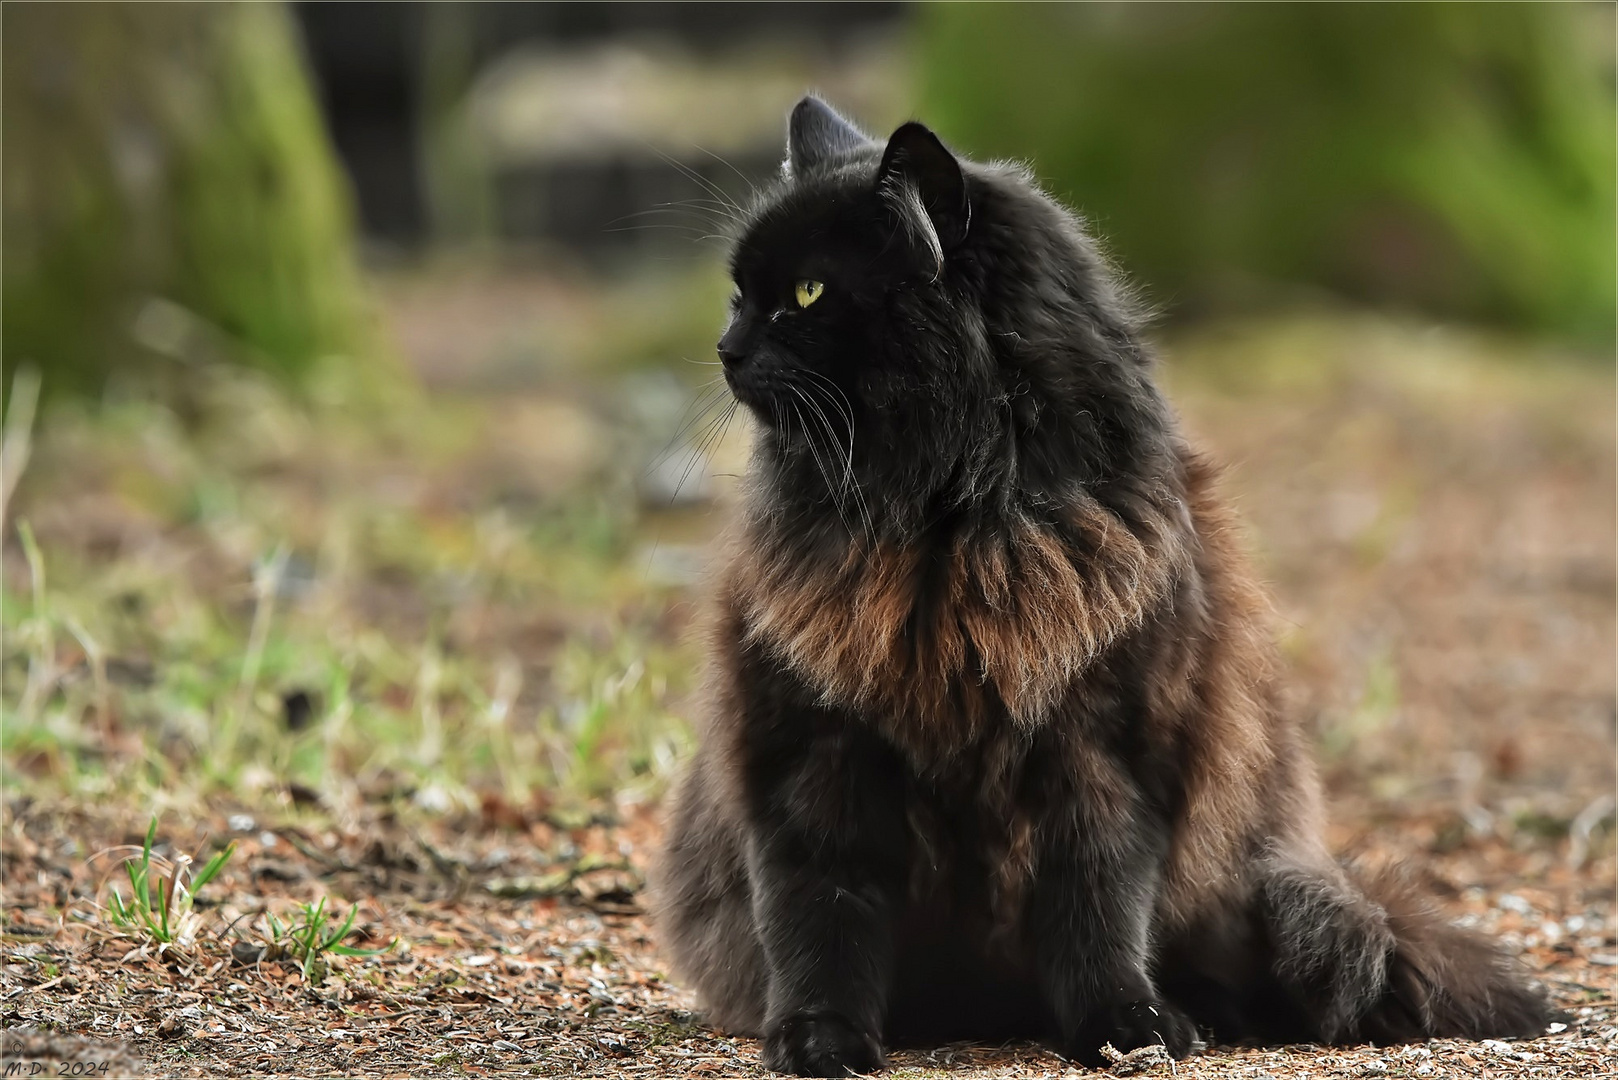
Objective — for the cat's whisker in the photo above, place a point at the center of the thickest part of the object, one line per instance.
(703, 415)
(720, 429)
(730, 414)
(733, 207)
(709, 394)
(699, 219)
(831, 437)
(849, 484)
(809, 440)
(693, 235)
(644, 226)
(844, 409)
(752, 188)
(832, 488)
(711, 435)
(709, 211)
(694, 413)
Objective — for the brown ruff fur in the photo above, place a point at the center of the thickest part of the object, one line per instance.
(1013, 617)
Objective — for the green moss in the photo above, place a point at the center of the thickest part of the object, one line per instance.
(170, 153)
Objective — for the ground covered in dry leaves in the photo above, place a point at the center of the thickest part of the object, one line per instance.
(524, 950)
(1439, 529)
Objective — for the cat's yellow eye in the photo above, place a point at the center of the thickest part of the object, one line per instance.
(809, 292)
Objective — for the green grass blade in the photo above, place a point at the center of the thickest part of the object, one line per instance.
(342, 931)
(152, 926)
(138, 898)
(215, 864)
(349, 950)
(314, 919)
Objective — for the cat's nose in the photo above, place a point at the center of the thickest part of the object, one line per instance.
(731, 344)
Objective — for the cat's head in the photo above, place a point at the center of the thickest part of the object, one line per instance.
(915, 332)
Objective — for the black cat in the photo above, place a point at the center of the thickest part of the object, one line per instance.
(993, 746)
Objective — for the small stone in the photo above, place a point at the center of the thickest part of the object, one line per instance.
(246, 953)
(1514, 903)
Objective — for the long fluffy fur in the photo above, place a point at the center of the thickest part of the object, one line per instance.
(1008, 758)
(1014, 618)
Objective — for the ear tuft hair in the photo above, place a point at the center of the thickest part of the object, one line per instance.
(916, 166)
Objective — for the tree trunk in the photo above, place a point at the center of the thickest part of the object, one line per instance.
(167, 178)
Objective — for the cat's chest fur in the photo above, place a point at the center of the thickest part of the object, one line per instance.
(934, 642)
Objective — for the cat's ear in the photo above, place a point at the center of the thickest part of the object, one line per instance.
(816, 133)
(916, 165)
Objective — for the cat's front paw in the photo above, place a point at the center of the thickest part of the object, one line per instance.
(820, 1044)
(1129, 1026)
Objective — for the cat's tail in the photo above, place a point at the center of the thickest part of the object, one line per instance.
(1370, 961)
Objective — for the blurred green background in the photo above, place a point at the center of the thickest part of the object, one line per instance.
(375, 455)
(1450, 159)
(1454, 159)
